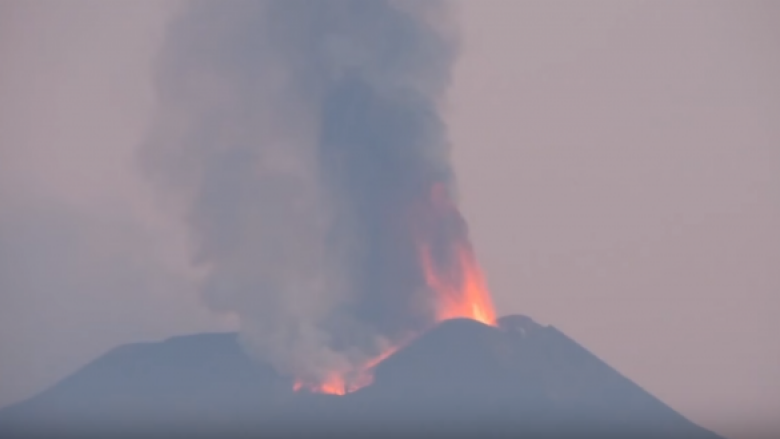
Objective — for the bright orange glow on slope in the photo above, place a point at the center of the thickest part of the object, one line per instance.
(454, 279)
(336, 384)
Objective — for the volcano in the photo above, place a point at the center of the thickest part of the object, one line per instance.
(462, 378)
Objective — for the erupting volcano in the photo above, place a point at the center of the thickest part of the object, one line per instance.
(303, 145)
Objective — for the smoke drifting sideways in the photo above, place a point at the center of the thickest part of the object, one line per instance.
(302, 141)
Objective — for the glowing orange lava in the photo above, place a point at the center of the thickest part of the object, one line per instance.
(461, 291)
(333, 385)
(455, 280)
(337, 384)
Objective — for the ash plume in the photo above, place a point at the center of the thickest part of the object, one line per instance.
(299, 139)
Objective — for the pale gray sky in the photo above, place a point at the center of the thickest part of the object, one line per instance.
(619, 164)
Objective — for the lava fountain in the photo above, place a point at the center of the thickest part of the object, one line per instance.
(453, 276)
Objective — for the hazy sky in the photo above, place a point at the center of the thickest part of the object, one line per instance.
(619, 165)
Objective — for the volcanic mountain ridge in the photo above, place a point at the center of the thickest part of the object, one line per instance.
(462, 378)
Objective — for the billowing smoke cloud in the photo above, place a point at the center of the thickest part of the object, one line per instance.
(298, 137)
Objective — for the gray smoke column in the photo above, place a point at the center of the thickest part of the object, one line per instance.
(300, 138)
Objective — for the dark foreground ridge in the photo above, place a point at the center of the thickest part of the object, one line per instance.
(461, 379)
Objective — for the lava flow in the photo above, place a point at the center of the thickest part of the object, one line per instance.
(337, 383)
(451, 274)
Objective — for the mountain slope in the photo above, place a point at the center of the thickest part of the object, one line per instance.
(520, 378)
(460, 378)
(187, 380)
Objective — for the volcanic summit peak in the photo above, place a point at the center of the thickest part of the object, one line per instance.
(518, 324)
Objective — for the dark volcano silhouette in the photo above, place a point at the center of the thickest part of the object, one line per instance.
(461, 379)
